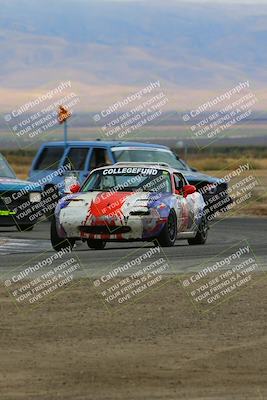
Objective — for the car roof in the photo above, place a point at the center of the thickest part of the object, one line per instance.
(100, 143)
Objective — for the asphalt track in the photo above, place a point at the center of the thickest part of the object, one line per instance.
(18, 249)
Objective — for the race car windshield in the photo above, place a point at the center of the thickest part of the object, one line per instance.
(129, 179)
(124, 154)
(5, 170)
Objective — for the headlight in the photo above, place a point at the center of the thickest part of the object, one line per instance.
(70, 180)
(211, 188)
(140, 203)
(35, 197)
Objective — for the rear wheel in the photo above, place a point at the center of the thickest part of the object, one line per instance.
(168, 234)
(202, 233)
(96, 244)
(57, 242)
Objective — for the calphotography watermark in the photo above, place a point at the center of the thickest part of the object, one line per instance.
(32, 121)
(127, 116)
(42, 277)
(231, 193)
(36, 200)
(222, 277)
(213, 119)
(133, 277)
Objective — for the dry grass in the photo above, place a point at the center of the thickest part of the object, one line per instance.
(20, 163)
(217, 163)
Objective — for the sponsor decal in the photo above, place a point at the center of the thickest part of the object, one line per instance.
(130, 170)
(109, 206)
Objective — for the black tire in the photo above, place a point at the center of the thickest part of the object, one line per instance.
(202, 233)
(155, 242)
(25, 227)
(57, 242)
(168, 234)
(96, 244)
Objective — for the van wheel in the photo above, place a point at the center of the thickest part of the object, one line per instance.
(57, 242)
(168, 234)
(96, 244)
(202, 233)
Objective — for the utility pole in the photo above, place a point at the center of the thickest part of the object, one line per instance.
(63, 115)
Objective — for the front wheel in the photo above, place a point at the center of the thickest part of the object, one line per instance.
(168, 234)
(57, 242)
(96, 244)
(202, 233)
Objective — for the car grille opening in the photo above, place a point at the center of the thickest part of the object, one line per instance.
(104, 229)
(140, 213)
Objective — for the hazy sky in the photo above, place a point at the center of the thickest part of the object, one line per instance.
(228, 1)
(187, 1)
(200, 1)
(165, 2)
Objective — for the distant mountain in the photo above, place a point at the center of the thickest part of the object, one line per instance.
(109, 49)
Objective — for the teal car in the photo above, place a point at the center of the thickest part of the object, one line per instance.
(20, 201)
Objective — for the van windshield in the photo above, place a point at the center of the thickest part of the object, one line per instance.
(151, 155)
(50, 158)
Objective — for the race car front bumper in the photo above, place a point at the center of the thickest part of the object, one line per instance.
(118, 229)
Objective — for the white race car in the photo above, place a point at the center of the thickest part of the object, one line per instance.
(130, 202)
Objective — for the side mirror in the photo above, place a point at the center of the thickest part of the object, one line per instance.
(189, 189)
(70, 179)
(179, 188)
(75, 188)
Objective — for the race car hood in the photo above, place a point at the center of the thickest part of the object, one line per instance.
(13, 185)
(102, 203)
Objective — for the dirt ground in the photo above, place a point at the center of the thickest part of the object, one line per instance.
(159, 348)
